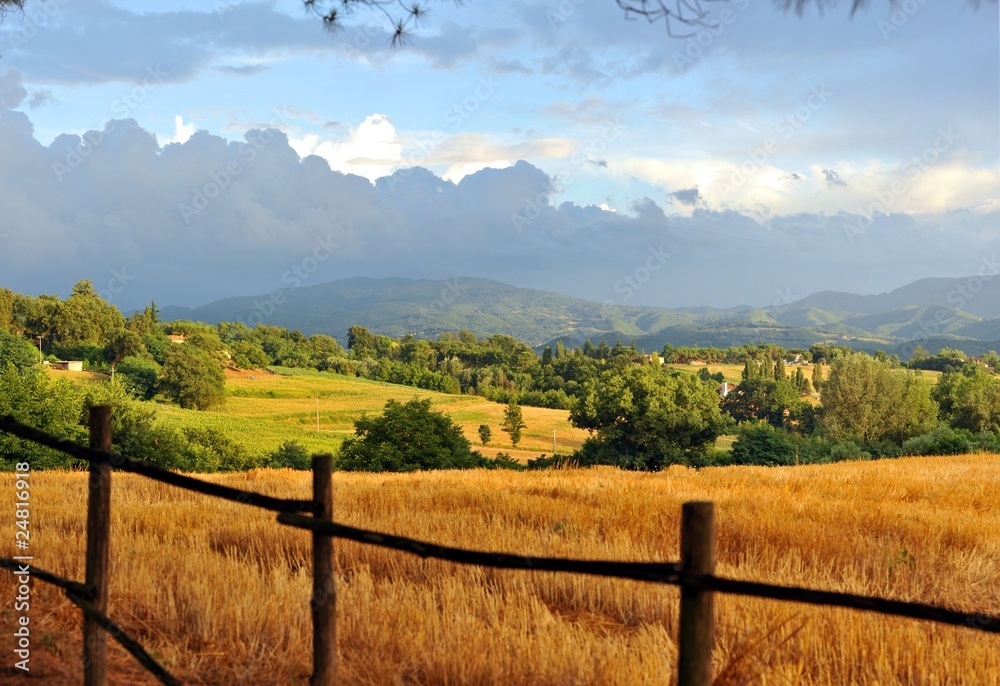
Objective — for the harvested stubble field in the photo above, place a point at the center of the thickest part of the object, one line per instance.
(220, 592)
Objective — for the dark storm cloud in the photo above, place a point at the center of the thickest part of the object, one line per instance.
(192, 222)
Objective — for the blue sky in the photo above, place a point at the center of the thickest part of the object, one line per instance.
(558, 146)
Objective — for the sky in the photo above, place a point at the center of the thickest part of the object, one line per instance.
(190, 151)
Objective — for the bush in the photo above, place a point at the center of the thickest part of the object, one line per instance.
(714, 457)
(52, 406)
(210, 450)
(762, 444)
(504, 461)
(140, 375)
(291, 455)
(848, 450)
(545, 462)
(941, 441)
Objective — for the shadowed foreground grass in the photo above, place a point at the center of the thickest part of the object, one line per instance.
(220, 592)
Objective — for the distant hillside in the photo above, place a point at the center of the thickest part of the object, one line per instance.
(913, 321)
(427, 308)
(978, 296)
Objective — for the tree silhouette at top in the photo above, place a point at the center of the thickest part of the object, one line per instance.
(402, 17)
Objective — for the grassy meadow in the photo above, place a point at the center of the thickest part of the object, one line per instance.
(263, 410)
(220, 592)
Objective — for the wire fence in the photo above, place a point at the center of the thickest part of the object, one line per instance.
(694, 573)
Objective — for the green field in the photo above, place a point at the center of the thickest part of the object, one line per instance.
(733, 372)
(263, 410)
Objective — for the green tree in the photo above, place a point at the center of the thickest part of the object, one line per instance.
(407, 437)
(140, 375)
(119, 345)
(84, 318)
(800, 382)
(760, 398)
(7, 310)
(868, 400)
(817, 377)
(192, 379)
(361, 342)
(485, 433)
(647, 418)
(547, 355)
(513, 422)
(779, 369)
(248, 355)
(17, 352)
(52, 406)
(969, 399)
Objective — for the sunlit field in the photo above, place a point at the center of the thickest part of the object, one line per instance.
(264, 410)
(220, 592)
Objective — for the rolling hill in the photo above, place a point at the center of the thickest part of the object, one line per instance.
(924, 311)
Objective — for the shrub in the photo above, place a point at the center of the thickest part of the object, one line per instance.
(762, 444)
(941, 441)
(291, 455)
(140, 375)
(848, 450)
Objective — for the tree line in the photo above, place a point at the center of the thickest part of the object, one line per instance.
(641, 414)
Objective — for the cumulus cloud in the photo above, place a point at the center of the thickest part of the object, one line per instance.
(370, 149)
(12, 91)
(195, 220)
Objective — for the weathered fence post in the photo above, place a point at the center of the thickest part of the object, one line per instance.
(95, 666)
(324, 600)
(697, 620)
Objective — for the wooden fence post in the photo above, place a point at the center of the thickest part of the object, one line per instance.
(324, 599)
(697, 620)
(95, 666)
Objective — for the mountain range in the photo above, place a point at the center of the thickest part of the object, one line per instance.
(934, 312)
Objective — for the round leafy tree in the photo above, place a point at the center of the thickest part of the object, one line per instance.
(647, 418)
(407, 437)
(192, 379)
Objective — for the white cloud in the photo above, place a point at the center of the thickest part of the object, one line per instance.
(457, 172)
(371, 149)
(182, 131)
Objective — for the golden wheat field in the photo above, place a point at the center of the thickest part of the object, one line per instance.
(220, 592)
